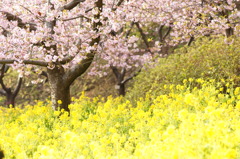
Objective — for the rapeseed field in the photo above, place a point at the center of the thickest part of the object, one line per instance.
(199, 119)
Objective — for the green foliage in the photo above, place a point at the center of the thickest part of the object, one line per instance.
(206, 58)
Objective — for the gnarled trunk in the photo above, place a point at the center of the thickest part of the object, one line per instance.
(60, 96)
(60, 91)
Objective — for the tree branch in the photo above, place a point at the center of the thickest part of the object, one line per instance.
(190, 41)
(21, 24)
(32, 13)
(1, 79)
(129, 31)
(71, 5)
(2, 92)
(123, 72)
(4, 32)
(118, 4)
(70, 58)
(30, 62)
(79, 16)
(144, 37)
(119, 75)
(167, 33)
(17, 89)
(160, 33)
(114, 33)
(6, 67)
(80, 68)
(115, 71)
(132, 76)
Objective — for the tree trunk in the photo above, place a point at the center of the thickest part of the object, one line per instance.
(59, 80)
(121, 90)
(60, 96)
(60, 91)
(10, 100)
(120, 80)
(229, 32)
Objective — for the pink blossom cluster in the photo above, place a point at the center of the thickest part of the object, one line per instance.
(28, 37)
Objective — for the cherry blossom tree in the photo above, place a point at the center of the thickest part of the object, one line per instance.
(45, 33)
(121, 53)
(64, 37)
(174, 22)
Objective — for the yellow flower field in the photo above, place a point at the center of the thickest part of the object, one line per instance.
(184, 124)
